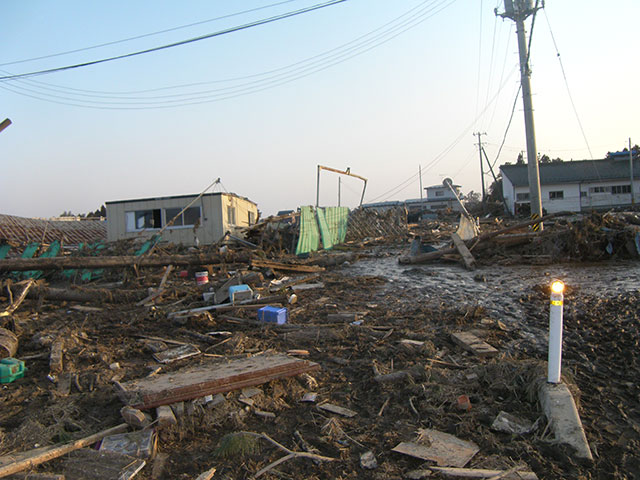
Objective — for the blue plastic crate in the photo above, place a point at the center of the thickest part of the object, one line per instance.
(238, 293)
(273, 315)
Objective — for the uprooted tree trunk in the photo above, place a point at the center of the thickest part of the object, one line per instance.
(95, 295)
(59, 263)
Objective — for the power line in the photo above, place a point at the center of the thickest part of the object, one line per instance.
(180, 43)
(566, 82)
(145, 35)
(330, 59)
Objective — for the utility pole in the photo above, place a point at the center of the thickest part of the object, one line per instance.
(339, 185)
(633, 198)
(481, 167)
(420, 174)
(518, 11)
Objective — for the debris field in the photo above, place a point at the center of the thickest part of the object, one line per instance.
(372, 363)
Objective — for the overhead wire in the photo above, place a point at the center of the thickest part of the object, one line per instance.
(179, 43)
(331, 60)
(566, 82)
(126, 94)
(146, 35)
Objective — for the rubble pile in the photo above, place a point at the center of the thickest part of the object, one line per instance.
(232, 362)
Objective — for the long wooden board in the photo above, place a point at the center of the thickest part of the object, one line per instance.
(470, 342)
(467, 258)
(209, 379)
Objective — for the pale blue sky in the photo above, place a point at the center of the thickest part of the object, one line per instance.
(414, 100)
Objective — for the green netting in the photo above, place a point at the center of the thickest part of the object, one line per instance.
(4, 249)
(333, 225)
(50, 252)
(309, 238)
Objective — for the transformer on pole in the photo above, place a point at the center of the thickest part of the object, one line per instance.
(519, 11)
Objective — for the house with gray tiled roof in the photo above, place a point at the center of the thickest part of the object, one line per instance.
(575, 186)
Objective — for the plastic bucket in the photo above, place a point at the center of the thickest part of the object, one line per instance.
(8, 343)
(202, 278)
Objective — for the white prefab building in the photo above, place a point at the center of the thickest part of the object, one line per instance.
(440, 197)
(574, 186)
(204, 222)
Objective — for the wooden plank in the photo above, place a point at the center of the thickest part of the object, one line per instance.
(287, 267)
(210, 378)
(331, 408)
(19, 462)
(484, 473)
(470, 342)
(442, 448)
(467, 258)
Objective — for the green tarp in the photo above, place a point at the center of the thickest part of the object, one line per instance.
(50, 252)
(309, 238)
(4, 249)
(330, 222)
(333, 225)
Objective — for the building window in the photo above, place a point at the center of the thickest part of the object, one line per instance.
(618, 189)
(598, 189)
(439, 193)
(188, 218)
(252, 218)
(556, 195)
(143, 219)
(522, 197)
(583, 194)
(231, 215)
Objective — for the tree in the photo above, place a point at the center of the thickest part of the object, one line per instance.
(520, 160)
(545, 159)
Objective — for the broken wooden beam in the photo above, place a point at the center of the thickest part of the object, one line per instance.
(473, 344)
(15, 463)
(467, 258)
(209, 379)
(484, 473)
(59, 263)
(79, 294)
(287, 267)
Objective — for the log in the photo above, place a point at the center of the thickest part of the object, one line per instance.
(287, 267)
(59, 263)
(467, 258)
(17, 463)
(96, 295)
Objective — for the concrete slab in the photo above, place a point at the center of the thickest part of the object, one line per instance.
(561, 411)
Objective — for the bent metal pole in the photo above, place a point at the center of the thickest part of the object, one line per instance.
(555, 333)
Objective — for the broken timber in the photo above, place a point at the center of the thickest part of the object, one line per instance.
(288, 267)
(59, 263)
(467, 258)
(78, 294)
(426, 257)
(470, 342)
(483, 473)
(209, 379)
(15, 463)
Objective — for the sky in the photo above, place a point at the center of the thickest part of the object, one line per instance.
(385, 88)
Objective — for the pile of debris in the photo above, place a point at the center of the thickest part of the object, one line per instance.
(229, 362)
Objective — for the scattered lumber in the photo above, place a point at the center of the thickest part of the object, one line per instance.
(512, 474)
(19, 462)
(473, 344)
(210, 378)
(442, 448)
(287, 267)
(16, 303)
(79, 294)
(59, 263)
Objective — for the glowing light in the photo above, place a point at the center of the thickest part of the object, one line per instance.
(557, 287)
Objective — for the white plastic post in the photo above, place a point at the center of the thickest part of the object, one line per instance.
(555, 333)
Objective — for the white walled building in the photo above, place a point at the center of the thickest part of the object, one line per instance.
(207, 220)
(574, 186)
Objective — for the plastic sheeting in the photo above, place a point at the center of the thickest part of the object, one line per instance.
(309, 238)
(333, 225)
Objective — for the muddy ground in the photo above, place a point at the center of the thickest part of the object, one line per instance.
(507, 306)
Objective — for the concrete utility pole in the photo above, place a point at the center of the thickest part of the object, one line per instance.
(481, 166)
(518, 11)
(633, 196)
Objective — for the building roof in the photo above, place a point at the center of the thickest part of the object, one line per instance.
(69, 232)
(573, 172)
(112, 202)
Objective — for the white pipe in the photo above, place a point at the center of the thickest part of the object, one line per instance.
(555, 336)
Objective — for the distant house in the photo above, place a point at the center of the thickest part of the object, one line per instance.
(574, 186)
(204, 222)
